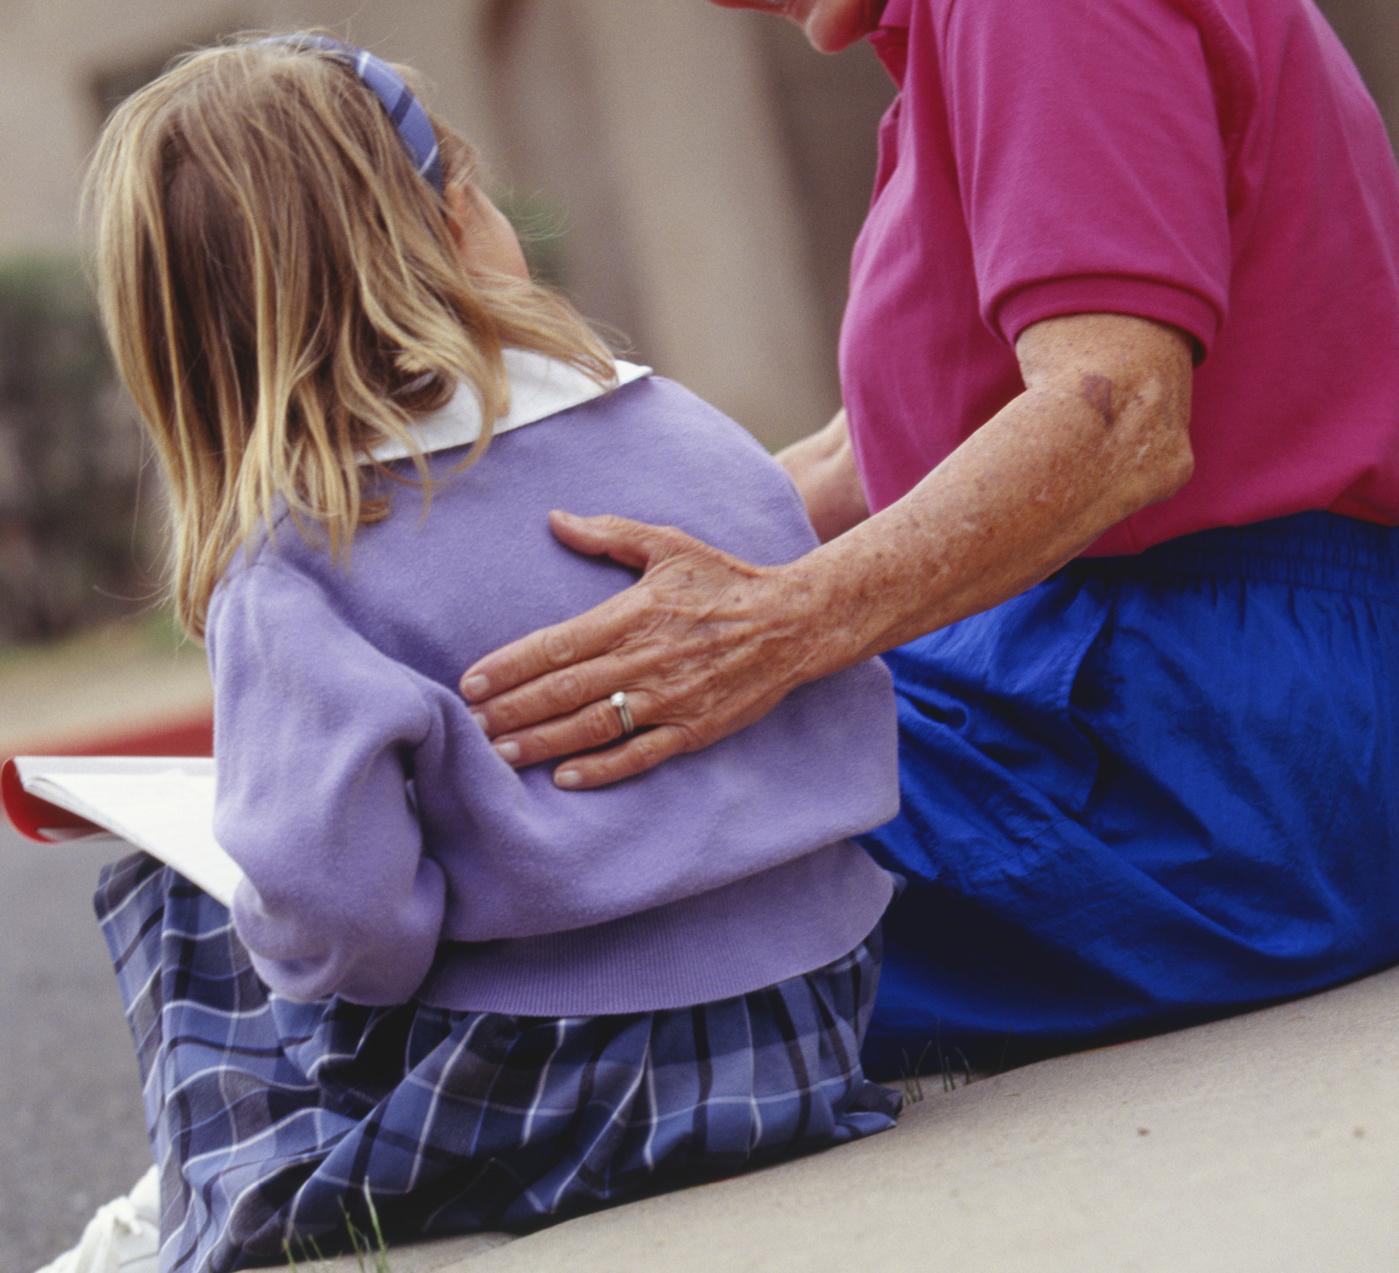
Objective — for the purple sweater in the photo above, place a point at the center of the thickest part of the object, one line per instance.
(389, 852)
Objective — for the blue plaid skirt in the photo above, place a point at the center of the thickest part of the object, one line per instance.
(272, 1120)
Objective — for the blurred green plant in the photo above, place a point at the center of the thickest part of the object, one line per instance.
(542, 228)
(78, 533)
(73, 533)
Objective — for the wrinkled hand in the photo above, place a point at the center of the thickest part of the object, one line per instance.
(703, 644)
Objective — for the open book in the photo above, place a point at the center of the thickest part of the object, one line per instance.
(164, 805)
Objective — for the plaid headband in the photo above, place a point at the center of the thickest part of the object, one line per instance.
(404, 109)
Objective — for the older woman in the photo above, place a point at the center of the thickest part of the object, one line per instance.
(1113, 489)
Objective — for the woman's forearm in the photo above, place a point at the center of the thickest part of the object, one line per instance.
(822, 465)
(1100, 431)
(705, 643)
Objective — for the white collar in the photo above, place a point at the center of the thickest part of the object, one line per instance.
(539, 388)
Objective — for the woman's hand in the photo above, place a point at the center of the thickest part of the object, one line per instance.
(703, 644)
(823, 467)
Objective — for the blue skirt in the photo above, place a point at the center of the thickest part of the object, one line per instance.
(1150, 791)
(272, 1121)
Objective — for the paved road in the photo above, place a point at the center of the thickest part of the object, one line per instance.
(72, 1132)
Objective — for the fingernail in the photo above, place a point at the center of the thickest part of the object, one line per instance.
(474, 686)
(480, 720)
(508, 752)
(567, 778)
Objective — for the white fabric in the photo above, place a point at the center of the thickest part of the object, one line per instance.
(539, 388)
(123, 1237)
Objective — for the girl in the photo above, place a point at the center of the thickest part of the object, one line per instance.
(466, 993)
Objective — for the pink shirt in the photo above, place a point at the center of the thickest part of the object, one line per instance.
(1215, 164)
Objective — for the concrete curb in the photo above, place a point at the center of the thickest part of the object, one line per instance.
(1262, 1144)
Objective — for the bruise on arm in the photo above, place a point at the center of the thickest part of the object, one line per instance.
(1132, 378)
(1096, 392)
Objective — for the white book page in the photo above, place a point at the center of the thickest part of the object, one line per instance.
(162, 805)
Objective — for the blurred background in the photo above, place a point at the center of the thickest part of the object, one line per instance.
(691, 177)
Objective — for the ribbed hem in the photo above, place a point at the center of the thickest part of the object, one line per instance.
(1107, 294)
(749, 934)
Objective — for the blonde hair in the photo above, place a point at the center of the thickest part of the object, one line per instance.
(281, 291)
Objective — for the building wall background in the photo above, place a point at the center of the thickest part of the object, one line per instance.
(1370, 30)
(706, 171)
(702, 172)
(694, 176)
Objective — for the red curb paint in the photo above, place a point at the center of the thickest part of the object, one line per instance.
(181, 736)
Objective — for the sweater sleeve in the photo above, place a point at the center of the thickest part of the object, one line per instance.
(1092, 166)
(314, 735)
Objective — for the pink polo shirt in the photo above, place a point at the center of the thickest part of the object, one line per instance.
(1215, 164)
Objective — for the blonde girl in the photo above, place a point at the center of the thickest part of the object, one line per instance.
(476, 997)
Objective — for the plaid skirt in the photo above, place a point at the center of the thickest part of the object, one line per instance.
(273, 1122)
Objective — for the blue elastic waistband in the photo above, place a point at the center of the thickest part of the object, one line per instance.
(1314, 549)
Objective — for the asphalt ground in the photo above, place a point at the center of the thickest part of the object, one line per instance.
(1268, 1143)
(72, 1127)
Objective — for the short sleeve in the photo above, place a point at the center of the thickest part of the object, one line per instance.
(314, 731)
(1092, 165)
